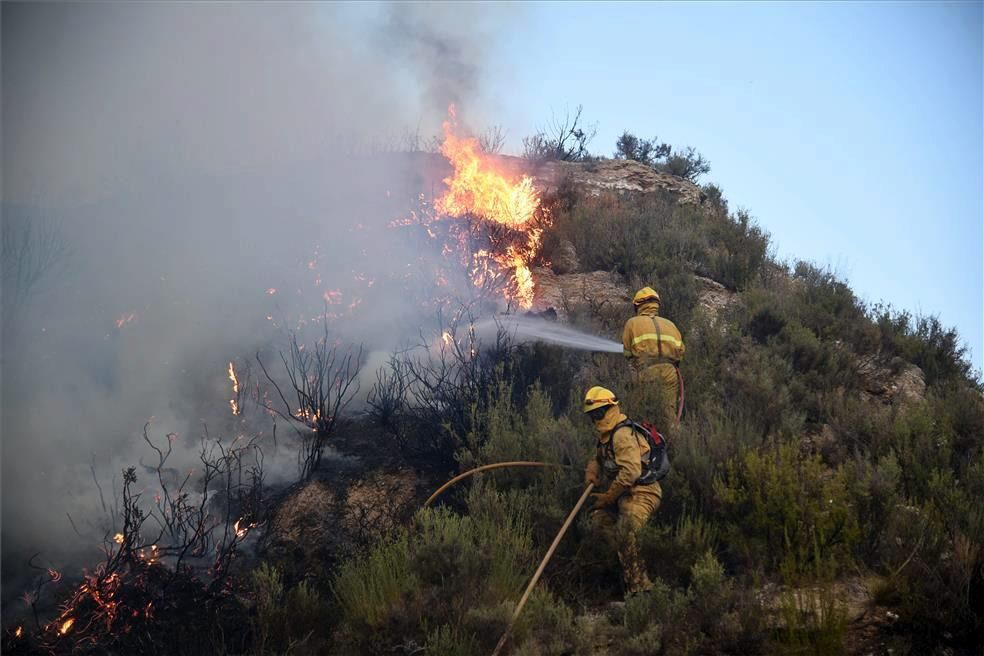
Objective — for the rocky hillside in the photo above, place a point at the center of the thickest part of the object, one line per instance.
(823, 498)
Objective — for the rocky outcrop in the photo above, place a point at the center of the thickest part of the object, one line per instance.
(892, 381)
(565, 260)
(714, 297)
(317, 522)
(617, 175)
(562, 292)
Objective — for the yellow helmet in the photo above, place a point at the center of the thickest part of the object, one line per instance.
(598, 397)
(645, 295)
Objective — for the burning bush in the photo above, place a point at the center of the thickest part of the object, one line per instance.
(163, 586)
(488, 222)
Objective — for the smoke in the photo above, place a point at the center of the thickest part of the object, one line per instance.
(190, 158)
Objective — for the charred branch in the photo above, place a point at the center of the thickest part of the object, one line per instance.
(321, 381)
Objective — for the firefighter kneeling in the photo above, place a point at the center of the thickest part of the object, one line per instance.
(626, 457)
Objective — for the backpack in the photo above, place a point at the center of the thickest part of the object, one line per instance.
(659, 461)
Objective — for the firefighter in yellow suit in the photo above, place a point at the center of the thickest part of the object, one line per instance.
(621, 511)
(654, 347)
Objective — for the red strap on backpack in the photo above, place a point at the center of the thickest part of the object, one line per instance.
(653, 432)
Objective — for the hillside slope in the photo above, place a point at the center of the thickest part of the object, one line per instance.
(823, 498)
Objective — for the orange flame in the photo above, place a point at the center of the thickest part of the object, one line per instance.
(241, 531)
(233, 402)
(479, 189)
(19, 632)
(66, 626)
(118, 538)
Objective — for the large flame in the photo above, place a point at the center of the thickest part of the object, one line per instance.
(479, 188)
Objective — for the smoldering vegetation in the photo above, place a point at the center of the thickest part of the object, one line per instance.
(186, 186)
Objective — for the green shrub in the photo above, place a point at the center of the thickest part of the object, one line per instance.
(448, 640)
(826, 305)
(757, 393)
(457, 574)
(715, 197)
(286, 620)
(547, 627)
(370, 588)
(925, 342)
(672, 550)
(709, 616)
(786, 511)
(739, 250)
(652, 237)
(934, 560)
(813, 622)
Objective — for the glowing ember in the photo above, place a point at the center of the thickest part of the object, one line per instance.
(478, 189)
(446, 336)
(271, 291)
(233, 402)
(240, 532)
(125, 319)
(118, 538)
(66, 626)
(19, 632)
(54, 575)
(311, 418)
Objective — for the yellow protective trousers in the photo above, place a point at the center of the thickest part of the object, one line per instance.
(665, 376)
(620, 524)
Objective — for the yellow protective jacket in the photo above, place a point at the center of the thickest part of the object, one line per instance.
(649, 339)
(620, 453)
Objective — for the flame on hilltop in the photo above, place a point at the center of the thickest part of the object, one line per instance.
(479, 188)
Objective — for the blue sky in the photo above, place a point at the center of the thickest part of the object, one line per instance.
(852, 132)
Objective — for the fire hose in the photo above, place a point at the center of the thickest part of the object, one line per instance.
(497, 465)
(543, 565)
(553, 546)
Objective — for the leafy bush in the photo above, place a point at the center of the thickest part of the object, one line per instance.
(687, 164)
(813, 622)
(715, 197)
(646, 151)
(436, 574)
(709, 616)
(926, 343)
(651, 237)
(286, 620)
(785, 510)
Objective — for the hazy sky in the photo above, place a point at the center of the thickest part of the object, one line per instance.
(852, 132)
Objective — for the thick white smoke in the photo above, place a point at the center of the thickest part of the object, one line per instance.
(187, 158)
